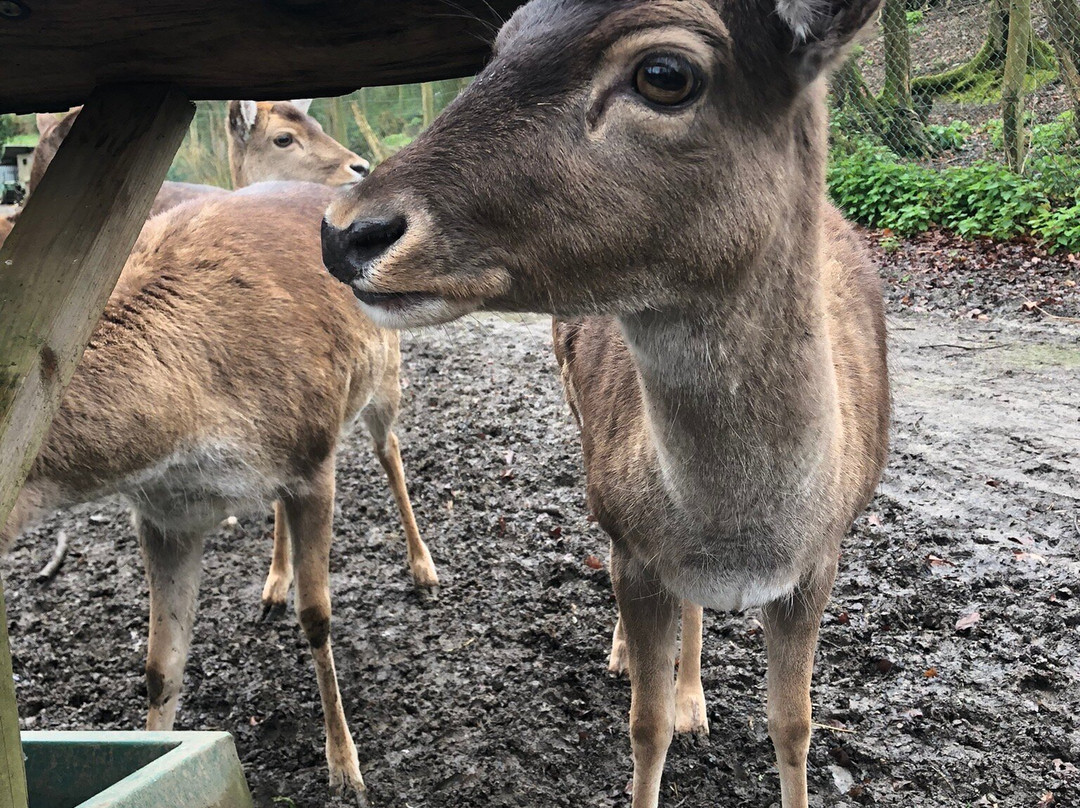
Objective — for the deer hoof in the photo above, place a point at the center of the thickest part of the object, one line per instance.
(617, 660)
(272, 611)
(424, 575)
(690, 714)
(349, 788)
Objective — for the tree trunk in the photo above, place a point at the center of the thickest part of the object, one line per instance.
(427, 103)
(1063, 21)
(897, 89)
(852, 97)
(904, 132)
(987, 66)
(378, 150)
(1012, 88)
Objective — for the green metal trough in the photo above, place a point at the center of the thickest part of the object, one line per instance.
(133, 770)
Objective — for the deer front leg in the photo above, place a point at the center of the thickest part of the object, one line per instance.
(310, 519)
(648, 613)
(173, 566)
(791, 632)
(689, 694)
(275, 592)
(379, 418)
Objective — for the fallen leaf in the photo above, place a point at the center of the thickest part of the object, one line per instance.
(1020, 555)
(1046, 800)
(593, 563)
(930, 673)
(874, 519)
(967, 621)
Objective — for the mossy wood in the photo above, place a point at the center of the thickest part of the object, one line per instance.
(56, 51)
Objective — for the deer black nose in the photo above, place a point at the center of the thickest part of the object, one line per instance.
(349, 253)
(363, 169)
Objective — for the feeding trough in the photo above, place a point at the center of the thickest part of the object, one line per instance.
(133, 770)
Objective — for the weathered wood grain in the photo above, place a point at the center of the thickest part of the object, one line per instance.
(60, 263)
(12, 772)
(57, 52)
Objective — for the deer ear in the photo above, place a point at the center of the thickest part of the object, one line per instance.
(823, 30)
(302, 104)
(242, 115)
(45, 121)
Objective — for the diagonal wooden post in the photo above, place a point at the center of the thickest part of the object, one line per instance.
(57, 269)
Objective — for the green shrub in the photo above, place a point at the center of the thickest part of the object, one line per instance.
(873, 187)
(948, 138)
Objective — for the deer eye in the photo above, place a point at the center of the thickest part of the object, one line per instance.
(666, 80)
(283, 140)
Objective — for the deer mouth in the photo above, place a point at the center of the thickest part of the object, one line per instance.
(410, 309)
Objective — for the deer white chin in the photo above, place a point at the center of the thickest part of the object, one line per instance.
(411, 309)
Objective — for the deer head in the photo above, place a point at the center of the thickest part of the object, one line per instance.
(613, 157)
(278, 140)
(52, 129)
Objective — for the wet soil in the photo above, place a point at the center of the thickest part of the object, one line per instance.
(496, 694)
(980, 279)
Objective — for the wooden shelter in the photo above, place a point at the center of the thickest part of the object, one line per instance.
(136, 67)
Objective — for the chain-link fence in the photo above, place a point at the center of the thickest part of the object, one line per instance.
(374, 122)
(963, 114)
(959, 114)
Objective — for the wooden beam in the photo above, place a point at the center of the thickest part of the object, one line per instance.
(57, 268)
(60, 49)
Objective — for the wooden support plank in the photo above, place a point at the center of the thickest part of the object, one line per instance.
(57, 268)
(60, 263)
(12, 776)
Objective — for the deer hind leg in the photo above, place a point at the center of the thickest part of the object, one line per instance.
(310, 523)
(791, 631)
(379, 419)
(689, 694)
(173, 566)
(648, 614)
(617, 658)
(275, 592)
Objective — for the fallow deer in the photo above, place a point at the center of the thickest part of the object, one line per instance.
(52, 129)
(268, 141)
(651, 172)
(278, 140)
(222, 376)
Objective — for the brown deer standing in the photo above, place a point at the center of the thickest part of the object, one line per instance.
(52, 129)
(278, 140)
(223, 374)
(268, 141)
(652, 173)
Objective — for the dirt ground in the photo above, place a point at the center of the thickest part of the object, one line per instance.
(496, 694)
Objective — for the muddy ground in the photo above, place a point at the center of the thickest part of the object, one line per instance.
(497, 695)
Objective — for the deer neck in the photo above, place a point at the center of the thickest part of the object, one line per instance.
(236, 167)
(738, 388)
